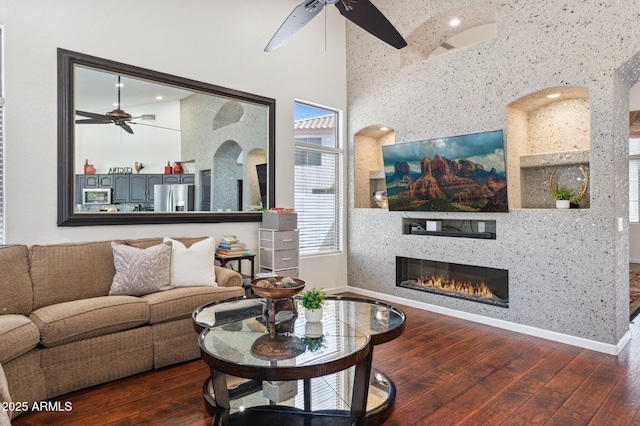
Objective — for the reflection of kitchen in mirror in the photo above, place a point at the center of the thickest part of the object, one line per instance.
(123, 122)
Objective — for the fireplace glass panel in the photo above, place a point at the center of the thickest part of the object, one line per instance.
(476, 283)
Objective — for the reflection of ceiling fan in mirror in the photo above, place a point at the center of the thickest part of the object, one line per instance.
(117, 116)
(361, 12)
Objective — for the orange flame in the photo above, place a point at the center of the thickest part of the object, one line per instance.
(479, 290)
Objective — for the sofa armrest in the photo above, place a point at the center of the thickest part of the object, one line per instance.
(226, 277)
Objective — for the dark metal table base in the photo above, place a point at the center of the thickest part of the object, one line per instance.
(380, 387)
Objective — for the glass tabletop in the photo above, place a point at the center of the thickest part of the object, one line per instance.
(236, 332)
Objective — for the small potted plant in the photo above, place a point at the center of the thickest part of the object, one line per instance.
(562, 197)
(313, 300)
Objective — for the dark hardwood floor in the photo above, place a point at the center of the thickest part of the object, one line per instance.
(448, 372)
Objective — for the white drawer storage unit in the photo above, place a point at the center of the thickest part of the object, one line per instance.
(279, 252)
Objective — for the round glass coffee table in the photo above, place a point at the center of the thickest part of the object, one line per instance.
(314, 373)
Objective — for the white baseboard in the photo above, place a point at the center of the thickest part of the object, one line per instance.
(580, 342)
(634, 260)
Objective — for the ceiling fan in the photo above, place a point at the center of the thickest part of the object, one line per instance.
(361, 12)
(117, 116)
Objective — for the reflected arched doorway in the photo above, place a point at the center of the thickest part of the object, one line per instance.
(226, 177)
(235, 184)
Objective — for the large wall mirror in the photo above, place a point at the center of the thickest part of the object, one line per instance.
(139, 146)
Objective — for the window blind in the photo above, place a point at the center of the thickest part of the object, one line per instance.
(317, 202)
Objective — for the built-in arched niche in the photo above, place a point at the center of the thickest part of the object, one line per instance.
(449, 31)
(548, 141)
(369, 171)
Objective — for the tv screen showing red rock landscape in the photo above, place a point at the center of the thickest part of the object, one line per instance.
(458, 173)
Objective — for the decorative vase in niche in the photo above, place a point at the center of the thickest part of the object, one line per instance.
(563, 204)
(168, 169)
(177, 167)
(313, 315)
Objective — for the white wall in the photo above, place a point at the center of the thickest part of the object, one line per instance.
(216, 42)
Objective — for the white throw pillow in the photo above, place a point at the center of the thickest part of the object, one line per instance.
(193, 266)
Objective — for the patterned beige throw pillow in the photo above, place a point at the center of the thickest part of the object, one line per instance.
(141, 271)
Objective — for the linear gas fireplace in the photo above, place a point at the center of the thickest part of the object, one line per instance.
(476, 283)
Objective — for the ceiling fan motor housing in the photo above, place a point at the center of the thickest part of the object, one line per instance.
(118, 114)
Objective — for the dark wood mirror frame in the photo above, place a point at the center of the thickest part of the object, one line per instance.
(67, 60)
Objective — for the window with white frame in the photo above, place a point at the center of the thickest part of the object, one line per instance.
(318, 179)
(634, 180)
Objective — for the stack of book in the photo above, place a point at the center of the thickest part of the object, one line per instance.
(231, 246)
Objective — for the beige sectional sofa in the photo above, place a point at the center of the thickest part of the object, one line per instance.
(60, 331)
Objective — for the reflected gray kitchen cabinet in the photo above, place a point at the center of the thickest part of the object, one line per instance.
(98, 181)
(141, 187)
(121, 188)
(178, 178)
(170, 179)
(188, 178)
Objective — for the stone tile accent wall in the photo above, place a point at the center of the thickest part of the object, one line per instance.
(568, 270)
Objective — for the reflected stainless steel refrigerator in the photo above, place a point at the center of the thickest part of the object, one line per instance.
(173, 198)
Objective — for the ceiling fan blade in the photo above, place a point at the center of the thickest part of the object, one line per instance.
(92, 118)
(153, 125)
(365, 15)
(300, 16)
(125, 126)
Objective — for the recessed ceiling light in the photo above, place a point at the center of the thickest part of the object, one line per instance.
(454, 22)
(119, 84)
(553, 95)
(115, 104)
(384, 128)
(159, 98)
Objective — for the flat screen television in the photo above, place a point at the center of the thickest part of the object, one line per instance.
(453, 174)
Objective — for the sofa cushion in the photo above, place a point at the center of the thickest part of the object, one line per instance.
(18, 335)
(70, 271)
(82, 319)
(193, 266)
(180, 303)
(141, 271)
(16, 293)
